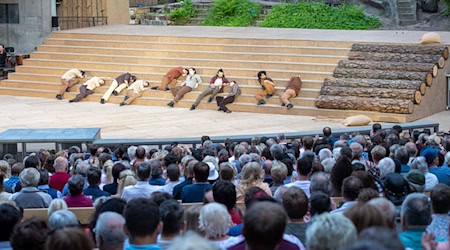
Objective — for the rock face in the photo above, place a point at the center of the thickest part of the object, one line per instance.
(430, 6)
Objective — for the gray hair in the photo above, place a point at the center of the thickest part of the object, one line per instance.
(131, 151)
(341, 144)
(357, 149)
(386, 166)
(190, 241)
(255, 157)
(29, 177)
(328, 164)
(82, 168)
(109, 227)
(416, 210)
(56, 205)
(185, 160)
(244, 159)
(420, 163)
(411, 148)
(239, 150)
(325, 153)
(386, 207)
(63, 218)
(320, 182)
(330, 231)
(447, 158)
(361, 140)
(214, 220)
(378, 152)
(276, 150)
(208, 144)
(393, 148)
(60, 163)
(337, 153)
(5, 169)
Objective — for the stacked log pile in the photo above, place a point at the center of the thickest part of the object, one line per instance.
(383, 78)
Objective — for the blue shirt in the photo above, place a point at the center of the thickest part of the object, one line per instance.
(194, 192)
(111, 188)
(236, 230)
(442, 173)
(405, 169)
(94, 192)
(12, 182)
(157, 181)
(411, 238)
(146, 247)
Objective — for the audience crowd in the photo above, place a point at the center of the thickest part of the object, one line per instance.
(386, 190)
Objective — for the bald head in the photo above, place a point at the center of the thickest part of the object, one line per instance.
(411, 148)
(61, 164)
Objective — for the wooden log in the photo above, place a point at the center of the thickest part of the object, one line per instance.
(382, 65)
(435, 70)
(407, 94)
(405, 49)
(375, 83)
(394, 57)
(383, 74)
(441, 63)
(398, 106)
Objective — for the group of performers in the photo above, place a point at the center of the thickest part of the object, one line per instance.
(215, 89)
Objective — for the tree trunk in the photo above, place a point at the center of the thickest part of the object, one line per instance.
(367, 104)
(375, 83)
(394, 57)
(407, 94)
(381, 65)
(383, 74)
(404, 49)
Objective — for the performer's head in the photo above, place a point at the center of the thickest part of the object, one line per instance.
(146, 83)
(220, 73)
(262, 75)
(101, 81)
(192, 71)
(133, 78)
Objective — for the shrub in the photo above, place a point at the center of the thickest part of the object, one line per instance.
(239, 13)
(314, 15)
(183, 14)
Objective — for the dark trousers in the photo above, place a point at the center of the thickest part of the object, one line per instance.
(83, 93)
(222, 102)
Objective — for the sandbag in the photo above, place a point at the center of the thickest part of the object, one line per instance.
(358, 120)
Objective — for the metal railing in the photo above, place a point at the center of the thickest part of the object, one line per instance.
(74, 22)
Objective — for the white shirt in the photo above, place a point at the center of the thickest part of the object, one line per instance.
(344, 207)
(141, 190)
(303, 185)
(168, 188)
(430, 181)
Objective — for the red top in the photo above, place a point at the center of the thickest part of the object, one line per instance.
(174, 73)
(78, 201)
(235, 217)
(58, 180)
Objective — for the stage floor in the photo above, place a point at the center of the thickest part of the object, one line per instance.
(146, 122)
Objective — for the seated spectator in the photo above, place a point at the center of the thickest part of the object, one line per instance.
(320, 181)
(267, 166)
(383, 236)
(387, 209)
(432, 158)
(44, 187)
(416, 180)
(191, 219)
(191, 241)
(172, 218)
(80, 169)
(142, 189)
(350, 191)
(415, 217)
(156, 173)
(14, 178)
(295, 204)
(420, 164)
(126, 178)
(264, 225)
(227, 172)
(112, 187)
(304, 169)
(4, 196)
(279, 173)
(225, 193)
(330, 231)
(340, 171)
(364, 216)
(9, 217)
(109, 231)
(188, 179)
(402, 155)
(440, 203)
(320, 203)
(213, 166)
(62, 218)
(60, 177)
(69, 239)
(94, 177)
(76, 197)
(30, 234)
(215, 221)
(56, 205)
(251, 176)
(196, 191)
(30, 196)
(396, 188)
(173, 174)
(142, 225)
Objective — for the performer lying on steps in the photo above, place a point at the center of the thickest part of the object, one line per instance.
(292, 90)
(134, 91)
(215, 85)
(171, 78)
(88, 87)
(191, 83)
(118, 85)
(69, 79)
(235, 91)
(268, 87)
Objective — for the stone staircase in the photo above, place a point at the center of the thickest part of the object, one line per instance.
(202, 12)
(150, 57)
(407, 14)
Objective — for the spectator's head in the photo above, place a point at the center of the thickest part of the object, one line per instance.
(16, 168)
(411, 148)
(76, 185)
(330, 231)
(171, 158)
(383, 236)
(420, 163)
(30, 234)
(264, 219)
(29, 177)
(251, 173)
(201, 172)
(415, 212)
(416, 180)
(56, 205)
(378, 152)
(190, 241)
(143, 170)
(224, 192)
(227, 171)
(61, 164)
(396, 188)
(32, 162)
(351, 187)
(82, 168)
(43, 177)
(156, 169)
(94, 176)
(278, 172)
(386, 208)
(364, 215)
(117, 168)
(328, 164)
(172, 218)
(9, 217)
(173, 172)
(140, 153)
(214, 220)
(267, 166)
(440, 199)
(295, 203)
(341, 170)
(431, 155)
(402, 155)
(320, 181)
(320, 202)
(304, 166)
(109, 231)
(277, 151)
(238, 151)
(62, 218)
(357, 150)
(386, 166)
(326, 131)
(189, 171)
(308, 142)
(191, 219)
(68, 239)
(142, 220)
